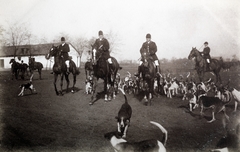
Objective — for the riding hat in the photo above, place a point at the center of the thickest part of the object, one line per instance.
(100, 33)
(148, 35)
(206, 43)
(62, 38)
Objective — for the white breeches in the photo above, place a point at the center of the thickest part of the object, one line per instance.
(109, 60)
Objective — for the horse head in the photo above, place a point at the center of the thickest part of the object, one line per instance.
(12, 61)
(54, 51)
(193, 53)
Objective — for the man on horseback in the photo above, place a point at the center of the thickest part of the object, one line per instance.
(206, 55)
(151, 48)
(64, 48)
(101, 45)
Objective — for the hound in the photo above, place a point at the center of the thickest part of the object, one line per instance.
(212, 102)
(26, 86)
(89, 85)
(124, 116)
(121, 145)
(236, 96)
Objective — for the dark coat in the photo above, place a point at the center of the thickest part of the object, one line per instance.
(64, 51)
(152, 49)
(102, 47)
(206, 53)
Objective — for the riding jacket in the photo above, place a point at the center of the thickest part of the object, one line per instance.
(206, 53)
(151, 47)
(64, 48)
(102, 47)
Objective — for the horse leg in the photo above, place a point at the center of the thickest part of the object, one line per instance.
(61, 84)
(105, 89)
(40, 74)
(74, 82)
(93, 90)
(67, 79)
(55, 86)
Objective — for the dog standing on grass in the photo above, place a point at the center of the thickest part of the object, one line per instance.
(215, 104)
(151, 145)
(26, 86)
(124, 116)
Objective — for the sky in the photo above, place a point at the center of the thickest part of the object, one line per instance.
(175, 25)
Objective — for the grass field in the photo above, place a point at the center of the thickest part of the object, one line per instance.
(46, 122)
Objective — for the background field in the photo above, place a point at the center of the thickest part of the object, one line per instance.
(46, 122)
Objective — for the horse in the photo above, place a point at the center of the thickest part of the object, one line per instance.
(16, 68)
(60, 68)
(149, 74)
(215, 65)
(35, 66)
(101, 70)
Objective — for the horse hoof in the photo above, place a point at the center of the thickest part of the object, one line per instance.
(90, 103)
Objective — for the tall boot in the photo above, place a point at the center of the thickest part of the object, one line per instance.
(158, 70)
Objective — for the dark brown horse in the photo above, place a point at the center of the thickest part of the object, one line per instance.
(215, 65)
(17, 68)
(33, 65)
(148, 70)
(101, 70)
(60, 68)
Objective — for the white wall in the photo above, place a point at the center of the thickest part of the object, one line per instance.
(47, 64)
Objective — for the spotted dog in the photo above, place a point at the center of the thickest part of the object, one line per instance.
(124, 116)
(26, 86)
(152, 145)
(89, 85)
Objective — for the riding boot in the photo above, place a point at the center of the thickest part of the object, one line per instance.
(158, 70)
(138, 74)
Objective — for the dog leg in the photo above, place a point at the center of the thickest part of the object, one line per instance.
(213, 118)
(195, 106)
(236, 104)
(224, 111)
(21, 93)
(125, 132)
(119, 130)
(190, 105)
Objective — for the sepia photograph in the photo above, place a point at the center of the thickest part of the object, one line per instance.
(120, 75)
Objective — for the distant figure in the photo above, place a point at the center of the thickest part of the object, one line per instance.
(151, 47)
(206, 54)
(101, 45)
(64, 48)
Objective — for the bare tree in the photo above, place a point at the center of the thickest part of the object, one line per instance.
(113, 40)
(80, 45)
(1, 36)
(16, 35)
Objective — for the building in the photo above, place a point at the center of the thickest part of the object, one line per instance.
(39, 51)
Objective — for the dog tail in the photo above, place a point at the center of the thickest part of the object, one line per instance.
(31, 78)
(123, 92)
(164, 140)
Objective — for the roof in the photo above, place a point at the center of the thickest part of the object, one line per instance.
(27, 50)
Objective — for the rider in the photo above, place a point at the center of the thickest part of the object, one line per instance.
(206, 54)
(151, 47)
(64, 48)
(101, 45)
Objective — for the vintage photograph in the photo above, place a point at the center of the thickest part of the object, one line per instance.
(120, 75)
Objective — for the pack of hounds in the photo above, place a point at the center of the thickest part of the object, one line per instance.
(205, 95)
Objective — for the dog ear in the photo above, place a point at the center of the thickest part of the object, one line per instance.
(127, 122)
(116, 117)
